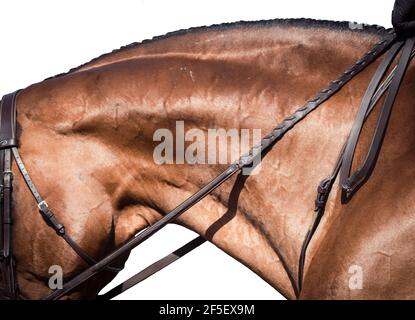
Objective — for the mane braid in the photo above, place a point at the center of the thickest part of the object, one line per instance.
(301, 22)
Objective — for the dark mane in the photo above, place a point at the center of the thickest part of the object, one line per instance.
(303, 23)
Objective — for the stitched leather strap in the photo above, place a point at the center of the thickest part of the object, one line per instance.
(8, 290)
(350, 184)
(8, 120)
(326, 184)
(49, 217)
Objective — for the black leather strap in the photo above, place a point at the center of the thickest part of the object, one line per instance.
(7, 222)
(49, 217)
(323, 192)
(6, 202)
(350, 184)
(369, 102)
(9, 288)
(8, 121)
(1, 206)
(152, 269)
(8, 145)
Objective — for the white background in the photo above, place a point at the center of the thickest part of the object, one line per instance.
(43, 38)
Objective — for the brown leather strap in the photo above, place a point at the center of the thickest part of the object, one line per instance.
(326, 184)
(8, 145)
(50, 218)
(152, 269)
(8, 121)
(10, 290)
(1, 204)
(323, 192)
(350, 184)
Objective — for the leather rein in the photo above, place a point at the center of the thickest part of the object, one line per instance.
(349, 182)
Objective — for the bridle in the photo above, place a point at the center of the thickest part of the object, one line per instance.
(350, 183)
(8, 148)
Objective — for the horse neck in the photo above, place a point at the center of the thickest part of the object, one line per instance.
(242, 78)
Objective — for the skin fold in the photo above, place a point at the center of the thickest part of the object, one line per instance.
(86, 138)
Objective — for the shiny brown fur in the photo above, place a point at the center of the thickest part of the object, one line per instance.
(86, 138)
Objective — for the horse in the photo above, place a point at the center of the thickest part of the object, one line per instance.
(87, 139)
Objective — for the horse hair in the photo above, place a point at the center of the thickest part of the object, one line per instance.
(303, 23)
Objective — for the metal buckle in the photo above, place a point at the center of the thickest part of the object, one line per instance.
(42, 205)
(7, 179)
(50, 218)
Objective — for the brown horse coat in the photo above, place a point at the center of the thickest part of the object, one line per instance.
(86, 138)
